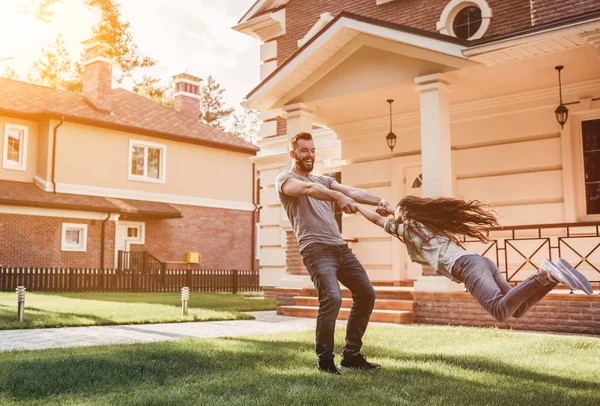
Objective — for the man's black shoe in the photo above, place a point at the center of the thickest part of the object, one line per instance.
(328, 366)
(357, 362)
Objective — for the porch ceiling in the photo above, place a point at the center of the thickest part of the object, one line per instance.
(336, 102)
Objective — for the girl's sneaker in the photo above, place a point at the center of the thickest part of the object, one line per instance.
(557, 275)
(581, 281)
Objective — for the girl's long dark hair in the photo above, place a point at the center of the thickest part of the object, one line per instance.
(447, 216)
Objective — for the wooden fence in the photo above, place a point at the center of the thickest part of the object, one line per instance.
(112, 280)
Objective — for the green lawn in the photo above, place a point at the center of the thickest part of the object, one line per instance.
(420, 366)
(88, 309)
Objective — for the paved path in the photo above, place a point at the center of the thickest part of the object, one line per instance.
(265, 323)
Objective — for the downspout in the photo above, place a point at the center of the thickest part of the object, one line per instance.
(62, 120)
(102, 237)
(256, 202)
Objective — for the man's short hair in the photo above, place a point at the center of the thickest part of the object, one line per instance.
(299, 136)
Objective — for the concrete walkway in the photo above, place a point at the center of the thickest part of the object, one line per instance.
(36, 339)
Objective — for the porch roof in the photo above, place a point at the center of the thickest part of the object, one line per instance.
(27, 194)
(321, 51)
(341, 31)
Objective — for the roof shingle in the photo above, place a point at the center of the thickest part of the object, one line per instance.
(130, 112)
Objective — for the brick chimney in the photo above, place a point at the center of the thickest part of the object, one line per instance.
(187, 94)
(97, 75)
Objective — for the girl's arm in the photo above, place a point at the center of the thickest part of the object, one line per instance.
(371, 216)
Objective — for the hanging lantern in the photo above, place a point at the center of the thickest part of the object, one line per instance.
(391, 137)
(561, 112)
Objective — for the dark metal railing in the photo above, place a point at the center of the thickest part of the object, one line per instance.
(519, 250)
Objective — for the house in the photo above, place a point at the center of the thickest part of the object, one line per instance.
(85, 176)
(468, 92)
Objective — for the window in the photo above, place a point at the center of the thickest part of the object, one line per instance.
(466, 19)
(74, 237)
(590, 134)
(133, 232)
(147, 161)
(418, 182)
(15, 147)
(467, 22)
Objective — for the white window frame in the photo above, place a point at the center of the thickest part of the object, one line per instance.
(444, 25)
(163, 161)
(82, 246)
(141, 226)
(22, 164)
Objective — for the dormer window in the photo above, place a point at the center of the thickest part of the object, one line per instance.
(466, 19)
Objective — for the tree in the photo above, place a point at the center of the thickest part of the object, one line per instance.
(212, 107)
(41, 9)
(56, 68)
(246, 124)
(110, 29)
(114, 32)
(9, 73)
(152, 89)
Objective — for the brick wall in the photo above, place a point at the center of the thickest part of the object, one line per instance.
(293, 259)
(545, 11)
(30, 241)
(556, 313)
(301, 15)
(223, 237)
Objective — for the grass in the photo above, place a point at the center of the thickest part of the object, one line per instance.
(92, 309)
(420, 366)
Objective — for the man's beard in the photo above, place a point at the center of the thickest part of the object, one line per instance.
(305, 166)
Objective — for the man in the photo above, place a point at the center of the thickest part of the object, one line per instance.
(306, 200)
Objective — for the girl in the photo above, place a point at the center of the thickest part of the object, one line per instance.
(430, 228)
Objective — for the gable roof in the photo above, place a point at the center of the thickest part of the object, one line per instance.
(261, 7)
(130, 113)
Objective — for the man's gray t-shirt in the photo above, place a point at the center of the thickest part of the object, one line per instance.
(312, 219)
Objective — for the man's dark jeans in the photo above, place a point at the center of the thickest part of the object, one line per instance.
(328, 264)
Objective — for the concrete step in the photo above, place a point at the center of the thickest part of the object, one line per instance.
(381, 316)
(380, 304)
(381, 292)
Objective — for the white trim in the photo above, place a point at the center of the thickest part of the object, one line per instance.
(22, 164)
(163, 161)
(323, 20)
(444, 25)
(97, 59)
(82, 246)
(261, 6)
(187, 94)
(264, 27)
(43, 184)
(43, 212)
(152, 197)
(140, 225)
(380, 2)
(528, 38)
(472, 106)
(590, 115)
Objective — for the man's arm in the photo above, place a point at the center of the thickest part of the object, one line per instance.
(295, 187)
(362, 196)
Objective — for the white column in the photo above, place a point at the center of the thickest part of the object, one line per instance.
(436, 155)
(299, 119)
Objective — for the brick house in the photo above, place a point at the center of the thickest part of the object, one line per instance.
(474, 90)
(86, 175)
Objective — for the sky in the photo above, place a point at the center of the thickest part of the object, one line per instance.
(193, 36)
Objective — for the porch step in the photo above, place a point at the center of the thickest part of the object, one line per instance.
(380, 304)
(381, 316)
(381, 292)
